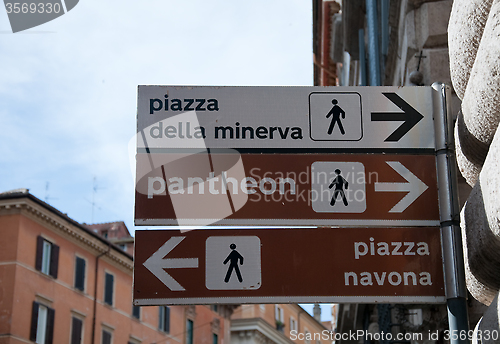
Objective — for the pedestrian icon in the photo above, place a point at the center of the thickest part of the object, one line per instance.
(339, 182)
(335, 116)
(234, 257)
(338, 187)
(335, 112)
(224, 268)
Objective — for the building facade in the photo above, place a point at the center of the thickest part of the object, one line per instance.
(277, 324)
(61, 282)
(400, 43)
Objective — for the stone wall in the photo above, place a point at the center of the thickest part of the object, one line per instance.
(474, 50)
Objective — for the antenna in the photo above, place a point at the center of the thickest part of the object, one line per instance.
(95, 188)
(47, 197)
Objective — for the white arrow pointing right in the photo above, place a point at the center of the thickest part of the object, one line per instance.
(156, 263)
(415, 187)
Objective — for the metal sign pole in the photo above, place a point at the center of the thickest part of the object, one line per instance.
(451, 238)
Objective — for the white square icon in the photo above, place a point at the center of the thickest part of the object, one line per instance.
(233, 263)
(338, 187)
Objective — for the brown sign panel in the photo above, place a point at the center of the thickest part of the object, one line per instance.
(286, 189)
(288, 265)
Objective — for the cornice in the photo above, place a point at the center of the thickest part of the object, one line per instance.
(56, 223)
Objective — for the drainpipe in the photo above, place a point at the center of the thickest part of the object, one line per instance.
(373, 49)
(298, 318)
(95, 292)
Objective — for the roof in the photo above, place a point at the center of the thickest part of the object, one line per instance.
(117, 225)
(24, 193)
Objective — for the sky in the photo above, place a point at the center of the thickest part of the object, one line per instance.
(68, 88)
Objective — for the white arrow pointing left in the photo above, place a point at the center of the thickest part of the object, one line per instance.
(415, 187)
(157, 263)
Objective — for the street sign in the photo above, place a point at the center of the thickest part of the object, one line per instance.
(366, 118)
(286, 189)
(359, 265)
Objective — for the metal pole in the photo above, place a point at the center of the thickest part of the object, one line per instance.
(362, 56)
(451, 239)
(373, 48)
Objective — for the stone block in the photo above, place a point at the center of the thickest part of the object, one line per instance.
(480, 222)
(466, 26)
(487, 330)
(432, 19)
(435, 66)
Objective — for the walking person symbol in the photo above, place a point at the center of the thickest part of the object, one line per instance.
(339, 182)
(234, 257)
(335, 112)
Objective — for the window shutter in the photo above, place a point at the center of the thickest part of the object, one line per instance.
(167, 319)
(54, 260)
(189, 331)
(108, 289)
(136, 312)
(106, 337)
(80, 274)
(76, 334)
(34, 321)
(50, 325)
(39, 253)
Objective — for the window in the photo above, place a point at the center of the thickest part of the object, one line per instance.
(136, 312)
(108, 289)
(215, 339)
(164, 324)
(293, 324)
(189, 331)
(76, 330)
(42, 324)
(47, 257)
(107, 336)
(278, 315)
(307, 336)
(80, 274)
